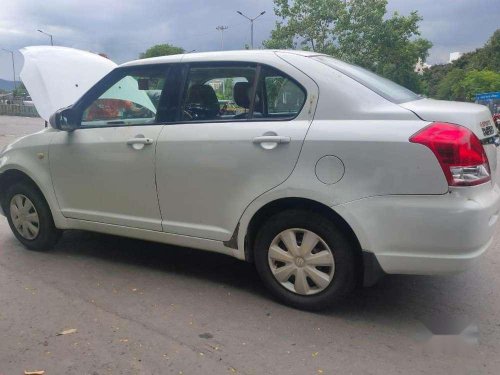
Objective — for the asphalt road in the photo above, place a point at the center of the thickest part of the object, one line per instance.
(144, 308)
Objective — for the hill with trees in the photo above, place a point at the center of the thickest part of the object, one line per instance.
(473, 73)
(6, 85)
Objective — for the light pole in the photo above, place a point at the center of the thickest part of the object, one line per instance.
(221, 29)
(49, 35)
(13, 66)
(251, 24)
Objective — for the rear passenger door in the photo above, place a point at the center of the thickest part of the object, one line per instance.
(238, 134)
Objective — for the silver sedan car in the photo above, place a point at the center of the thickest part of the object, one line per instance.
(322, 174)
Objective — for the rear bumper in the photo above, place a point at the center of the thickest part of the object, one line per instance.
(415, 264)
(426, 235)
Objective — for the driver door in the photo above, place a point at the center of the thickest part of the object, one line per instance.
(104, 171)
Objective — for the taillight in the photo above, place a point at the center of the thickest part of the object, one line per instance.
(459, 152)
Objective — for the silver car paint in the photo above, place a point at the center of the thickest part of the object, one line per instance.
(218, 170)
(94, 172)
(388, 186)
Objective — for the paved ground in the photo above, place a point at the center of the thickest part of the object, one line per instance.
(143, 308)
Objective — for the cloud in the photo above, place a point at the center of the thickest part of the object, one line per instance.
(123, 29)
(453, 25)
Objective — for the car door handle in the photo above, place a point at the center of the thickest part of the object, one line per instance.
(271, 139)
(140, 141)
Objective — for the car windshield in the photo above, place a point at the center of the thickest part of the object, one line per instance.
(382, 86)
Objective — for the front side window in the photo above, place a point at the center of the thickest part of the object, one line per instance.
(218, 93)
(133, 99)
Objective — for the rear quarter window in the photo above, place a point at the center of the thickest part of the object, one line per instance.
(283, 97)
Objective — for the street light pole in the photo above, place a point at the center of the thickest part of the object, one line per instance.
(49, 35)
(251, 24)
(221, 29)
(13, 66)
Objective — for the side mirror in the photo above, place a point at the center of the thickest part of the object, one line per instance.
(64, 119)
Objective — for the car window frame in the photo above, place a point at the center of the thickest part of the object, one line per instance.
(265, 98)
(258, 84)
(108, 81)
(212, 64)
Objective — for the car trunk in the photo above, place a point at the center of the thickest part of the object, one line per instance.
(476, 118)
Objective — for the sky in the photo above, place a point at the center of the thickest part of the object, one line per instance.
(124, 28)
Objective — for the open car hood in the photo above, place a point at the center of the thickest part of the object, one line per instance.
(57, 77)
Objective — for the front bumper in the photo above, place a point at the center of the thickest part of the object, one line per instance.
(426, 234)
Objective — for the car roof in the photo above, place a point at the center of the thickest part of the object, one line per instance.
(240, 55)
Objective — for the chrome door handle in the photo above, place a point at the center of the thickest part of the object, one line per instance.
(271, 139)
(140, 141)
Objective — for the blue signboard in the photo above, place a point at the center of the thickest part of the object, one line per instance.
(488, 96)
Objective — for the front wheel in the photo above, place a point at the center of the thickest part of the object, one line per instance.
(30, 218)
(304, 260)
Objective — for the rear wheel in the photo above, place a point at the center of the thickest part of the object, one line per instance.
(304, 260)
(30, 218)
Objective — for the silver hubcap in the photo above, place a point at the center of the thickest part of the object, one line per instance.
(301, 261)
(24, 217)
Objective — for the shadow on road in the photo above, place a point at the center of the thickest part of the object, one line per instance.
(395, 297)
(185, 262)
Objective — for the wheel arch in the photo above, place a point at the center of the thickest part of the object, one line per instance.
(278, 205)
(12, 176)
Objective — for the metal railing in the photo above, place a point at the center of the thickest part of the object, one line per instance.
(18, 110)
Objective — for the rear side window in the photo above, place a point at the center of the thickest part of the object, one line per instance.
(382, 86)
(233, 91)
(218, 92)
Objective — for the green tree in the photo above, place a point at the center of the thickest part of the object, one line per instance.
(432, 77)
(450, 87)
(479, 81)
(474, 72)
(486, 57)
(463, 85)
(358, 31)
(161, 50)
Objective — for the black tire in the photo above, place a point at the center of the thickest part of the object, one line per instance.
(48, 234)
(345, 274)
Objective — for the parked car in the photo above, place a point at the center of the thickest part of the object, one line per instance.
(331, 177)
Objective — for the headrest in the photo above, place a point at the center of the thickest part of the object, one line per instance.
(202, 94)
(205, 99)
(241, 94)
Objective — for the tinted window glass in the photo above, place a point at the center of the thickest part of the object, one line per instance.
(382, 86)
(132, 99)
(218, 93)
